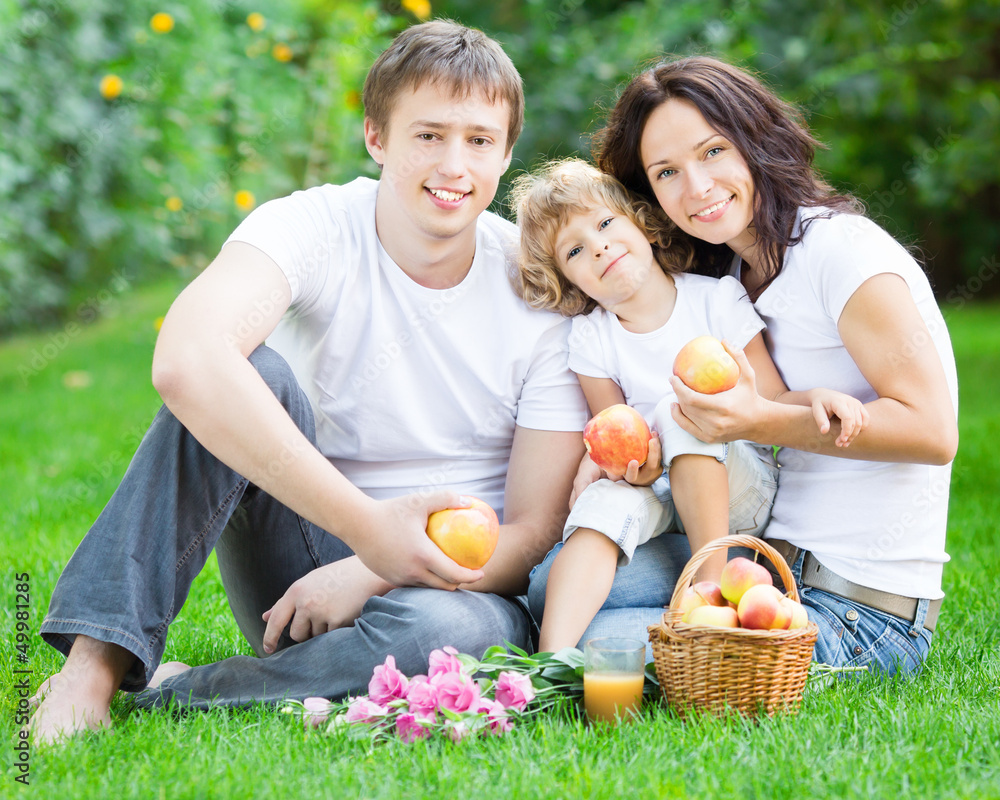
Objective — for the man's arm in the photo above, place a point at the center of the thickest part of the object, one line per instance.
(539, 478)
(201, 371)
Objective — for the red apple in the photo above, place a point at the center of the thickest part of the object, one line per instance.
(799, 616)
(690, 600)
(711, 592)
(740, 574)
(616, 436)
(705, 366)
(703, 593)
(784, 616)
(717, 616)
(467, 535)
(759, 608)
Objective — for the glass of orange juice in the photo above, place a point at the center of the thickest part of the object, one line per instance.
(613, 676)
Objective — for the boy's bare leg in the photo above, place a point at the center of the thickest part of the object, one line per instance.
(579, 583)
(78, 697)
(700, 488)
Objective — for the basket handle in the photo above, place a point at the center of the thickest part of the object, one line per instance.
(724, 543)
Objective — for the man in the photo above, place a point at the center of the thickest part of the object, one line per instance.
(401, 372)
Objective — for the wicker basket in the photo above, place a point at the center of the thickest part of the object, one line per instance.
(702, 668)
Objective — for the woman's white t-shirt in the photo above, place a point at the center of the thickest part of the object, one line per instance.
(878, 524)
(413, 389)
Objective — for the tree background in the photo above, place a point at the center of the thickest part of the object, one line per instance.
(135, 135)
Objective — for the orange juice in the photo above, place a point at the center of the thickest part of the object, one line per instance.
(608, 693)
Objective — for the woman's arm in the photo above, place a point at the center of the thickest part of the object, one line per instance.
(911, 421)
(826, 404)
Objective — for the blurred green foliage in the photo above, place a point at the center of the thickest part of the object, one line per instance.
(99, 191)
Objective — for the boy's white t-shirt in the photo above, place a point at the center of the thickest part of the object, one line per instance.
(642, 363)
(413, 389)
(878, 524)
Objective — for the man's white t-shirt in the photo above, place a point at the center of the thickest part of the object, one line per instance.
(642, 363)
(878, 524)
(413, 389)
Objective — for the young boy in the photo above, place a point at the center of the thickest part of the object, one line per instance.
(385, 393)
(589, 249)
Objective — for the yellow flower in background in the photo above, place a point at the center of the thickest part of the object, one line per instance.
(244, 200)
(353, 99)
(256, 22)
(421, 9)
(282, 52)
(157, 323)
(111, 87)
(174, 203)
(162, 22)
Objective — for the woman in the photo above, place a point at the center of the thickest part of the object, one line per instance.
(846, 307)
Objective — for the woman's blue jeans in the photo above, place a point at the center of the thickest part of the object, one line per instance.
(850, 634)
(131, 574)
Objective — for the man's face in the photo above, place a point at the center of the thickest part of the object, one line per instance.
(442, 159)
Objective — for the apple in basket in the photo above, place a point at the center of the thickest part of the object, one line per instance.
(799, 618)
(705, 366)
(616, 436)
(739, 575)
(716, 616)
(703, 593)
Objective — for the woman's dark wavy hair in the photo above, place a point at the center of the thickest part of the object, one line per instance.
(768, 132)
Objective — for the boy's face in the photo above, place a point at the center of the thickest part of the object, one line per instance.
(604, 254)
(442, 159)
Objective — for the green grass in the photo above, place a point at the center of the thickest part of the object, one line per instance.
(63, 451)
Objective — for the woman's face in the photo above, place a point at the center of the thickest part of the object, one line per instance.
(698, 176)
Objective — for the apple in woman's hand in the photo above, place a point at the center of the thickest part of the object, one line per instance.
(705, 366)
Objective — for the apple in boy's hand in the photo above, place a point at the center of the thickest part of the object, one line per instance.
(466, 535)
(616, 436)
(705, 366)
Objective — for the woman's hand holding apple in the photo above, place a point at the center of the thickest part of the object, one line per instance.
(723, 417)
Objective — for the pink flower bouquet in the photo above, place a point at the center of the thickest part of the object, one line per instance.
(449, 699)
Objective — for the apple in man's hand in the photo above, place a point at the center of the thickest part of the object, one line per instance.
(466, 535)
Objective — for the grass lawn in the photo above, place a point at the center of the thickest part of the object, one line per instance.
(73, 404)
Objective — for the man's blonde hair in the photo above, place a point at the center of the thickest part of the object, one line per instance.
(545, 200)
(444, 53)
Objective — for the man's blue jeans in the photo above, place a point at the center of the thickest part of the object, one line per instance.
(131, 574)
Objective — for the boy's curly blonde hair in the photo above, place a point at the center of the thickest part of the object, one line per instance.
(545, 200)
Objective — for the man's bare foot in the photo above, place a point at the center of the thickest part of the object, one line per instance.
(167, 670)
(78, 697)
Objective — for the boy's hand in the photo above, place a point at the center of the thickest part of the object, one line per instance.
(851, 412)
(650, 470)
